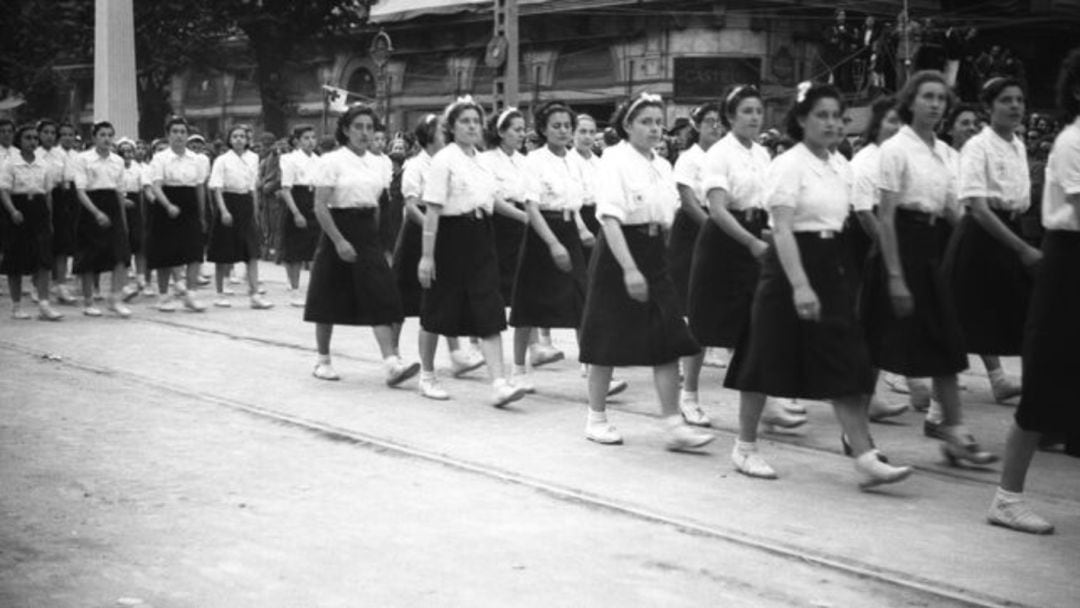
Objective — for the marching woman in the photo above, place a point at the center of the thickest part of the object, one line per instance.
(351, 282)
(25, 192)
(588, 163)
(632, 315)
(458, 268)
(174, 226)
(1052, 325)
(725, 267)
(803, 340)
(101, 227)
(131, 188)
(504, 135)
(299, 228)
(691, 216)
(64, 203)
(997, 165)
(407, 258)
(234, 236)
(908, 311)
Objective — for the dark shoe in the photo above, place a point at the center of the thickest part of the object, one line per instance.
(933, 430)
(960, 451)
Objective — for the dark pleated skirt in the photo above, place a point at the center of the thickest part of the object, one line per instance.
(991, 288)
(174, 241)
(619, 331)
(857, 244)
(101, 249)
(391, 208)
(723, 278)
(929, 342)
(28, 246)
(134, 214)
(239, 242)
(1049, 403)
(65, 216)
(464, 300)
(588, 215)
(785, 356)
(357, 293)
(543, 295)
(298, 244)
(405, 264)
(509, 235)
(680, 253)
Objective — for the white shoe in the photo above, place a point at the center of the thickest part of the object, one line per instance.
(260, 303)
(774, 416)
(1004, 389)
(296, 298)
(748, 462)
(325, 371)
(463, 361)
(119, 309)
(149, 291)
(603, 433)
(692, 412)
(524, 381)
(399, 372)
(63, 295)
(223, 302)
(46, 312)
(166, 304)
(91, 311)
(880, 409)
(616, 386)
(873, 472)
(228, 291)
(19, 314)
(1017, 515)
(191, 303)
(682, 436)
(714, 358)
(542, 354)
(429, 387)
(503, 393)
(791, 406)
(129, 293)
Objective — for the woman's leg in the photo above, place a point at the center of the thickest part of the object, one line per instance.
(1009, 509)
(323, 333)
(666, 380)
(292, 271)
(688, 396)
(960, 447)
(521, 345)
(744, 455)
(1020, 447)
(86, 280)
(221, 271)
(492, 348)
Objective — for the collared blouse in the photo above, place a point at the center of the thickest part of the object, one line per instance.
(414, 175)
(233, 172)
(20, 177)
(690, 172)
(1062, 180)
(555, 181)
(172, 169)
(923, 176)
(996, 170)
(96, 172)
(819, 191)
(737, 170)
(357, 179)
(459, 183)
(588, 168)
(298, 169)
(512, 183)
(56, 164)
(133, 177)
(865, 167)
(634, 189)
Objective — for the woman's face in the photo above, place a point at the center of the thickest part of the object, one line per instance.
(559, 129)
(238, 140)
(47, 135)
(1007, 109)
(963, 128)
(823, 126)
(890, 124)
(178, 135)
(662, 148)
(585, 135)
(931, 101)
(360, 132)
(28, 141)
(103, 138)
(467, 127)
(710, 130)
(747, 118)
(127, 152)
(513, 133)
(67, 138)
(308, 141)
(646, 130)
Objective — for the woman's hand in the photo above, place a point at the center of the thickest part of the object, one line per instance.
(102, 219)
(300, 221)
(587, 238)
(1030, 257)
(226, 220)
(345, 251)
(902, 302)
(172, 210)
(636, 285)
(758, 248)
(425, 271)
(17, 217)
(560, 256)
(807, 305)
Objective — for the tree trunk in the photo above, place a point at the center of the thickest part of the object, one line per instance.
(154, 107)
(271, 48)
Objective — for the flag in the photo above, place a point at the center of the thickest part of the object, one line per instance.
(337, 99)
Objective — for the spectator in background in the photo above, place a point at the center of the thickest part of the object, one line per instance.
(392, 204)
(679, 138)
(268, 187)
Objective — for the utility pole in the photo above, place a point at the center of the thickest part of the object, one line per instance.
(502, 54)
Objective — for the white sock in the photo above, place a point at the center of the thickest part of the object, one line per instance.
(519, 370)
(324, 359)
(597, 417)
(688, 396)
(996, 375)
(427, 376)
(674, 421)
(745, 446)
(391, 362)
(1006, 496)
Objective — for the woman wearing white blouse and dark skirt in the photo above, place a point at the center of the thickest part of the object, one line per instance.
(406, 259)
(1048, 403)
(175, 222)
(458, 268)
(131, 188)
(804, 340)
(101, 227)
(907, 308)
(632, 313)
(299, 228)
(504, 135)
(234, 237)
(351, 282)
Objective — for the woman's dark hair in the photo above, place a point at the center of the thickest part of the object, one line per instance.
(497, 123)
(544, 113)
(19, 133)
(735, 96)
(341, 133)
(233, 129)
(176, 120)
(699, 113)
(995, 86)
(807, 97)
(954, 114)
(297, 133)
(7, 122)
(611, 137)
(454, 110)
(425, 130)
(878, 111)
(907, 95)
(45, 122)
(1068, 86)
(629, 109)
(66, 125)
(103, 124)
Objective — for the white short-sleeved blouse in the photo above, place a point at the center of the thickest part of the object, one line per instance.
(865, 167)
(357, 179)
(739, 171)
(93, 171)
(459, 183)
(923, 176)
(56, 161)
(819, 191)
(1062, 180)
(996, 170)
(635, 189)
(588, 168)
(414, 174)
(555, 181)
(512, 182)
(235, 173)
(298, 169)
(690, 171)
(20, 177)
(172, 169)
(133, 178)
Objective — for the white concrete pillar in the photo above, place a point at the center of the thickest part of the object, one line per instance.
(114, 66)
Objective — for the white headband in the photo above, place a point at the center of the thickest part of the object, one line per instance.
(504, 116)
(643, 98)
(803, 89)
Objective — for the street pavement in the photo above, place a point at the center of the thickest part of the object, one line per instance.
(191, 460)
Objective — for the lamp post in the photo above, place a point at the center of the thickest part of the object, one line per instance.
(381, 50)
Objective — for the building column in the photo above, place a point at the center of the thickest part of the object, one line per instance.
(114, 66)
